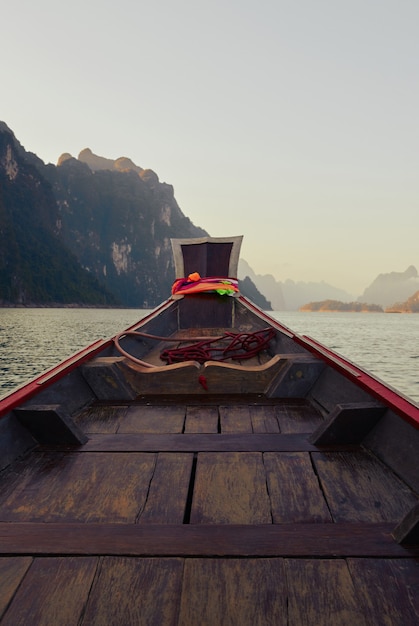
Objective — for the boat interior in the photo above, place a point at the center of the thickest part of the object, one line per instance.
(274, 489)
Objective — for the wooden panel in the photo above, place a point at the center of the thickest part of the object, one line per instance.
(12, 571)
(80, 487)
(297, 419)
(14, 440)
(50, 424)
(407, 531)
(333, 388)
(208, 259)
(101, 419)
(358, 487)
(321, 592)
(153, 419)
(168, 492)
(294, 489)
(208, 399)
(299, 540)
(397, 443)
(247, 377)
(264, 419)
(235, 419)
(201, 419)
(348, 423)
(199, 442)
(54, 591)
(388, 590)
(144, 592)
(206, 311)
(234, 591)
(230, 488)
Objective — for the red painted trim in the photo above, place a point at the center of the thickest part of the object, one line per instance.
(30, 389)
(400, 404)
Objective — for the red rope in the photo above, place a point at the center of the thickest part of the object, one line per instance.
(240, 346)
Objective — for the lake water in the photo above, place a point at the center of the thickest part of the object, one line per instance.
(34, 340)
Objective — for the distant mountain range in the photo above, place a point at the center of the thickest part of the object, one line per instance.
(290, 295)
(393, 287)
(384, 291)
(97, 231)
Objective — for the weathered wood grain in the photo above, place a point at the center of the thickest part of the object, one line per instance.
(101, 419)
(297, 418)
(201, 419)
(233, 591)
(264, 419)
(294, 490)
(167, 496)
(140, 592)
(54, 591)
(153, 419)
(358, 487)
(388, 590)
(235, 419)
(299, 540)
(199, 442)
(230, 488)
(321, 592)
(12, 571)
(102, 487)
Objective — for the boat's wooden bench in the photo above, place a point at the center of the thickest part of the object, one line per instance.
(286, 375)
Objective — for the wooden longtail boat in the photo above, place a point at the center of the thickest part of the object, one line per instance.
(264, 480)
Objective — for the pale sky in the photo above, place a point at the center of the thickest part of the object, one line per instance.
(291, 122)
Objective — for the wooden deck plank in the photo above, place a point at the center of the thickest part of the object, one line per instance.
(80, 487)
(295, 418)
(294, 490)
(235, 419)
(12, 571)
(233, 591)
(199, 442)
(230, 488)
(293, 540)
(201, 419)
(321, 592)
(153, 419)
(144, 592)
(358, 487)
(101, 419)
(395, 585)
(54, 591)
(264, 419)
(168, 491)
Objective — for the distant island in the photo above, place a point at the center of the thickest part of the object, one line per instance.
(411, 305)
(335, 306)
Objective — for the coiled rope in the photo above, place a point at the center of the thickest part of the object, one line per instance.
(230, 346)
